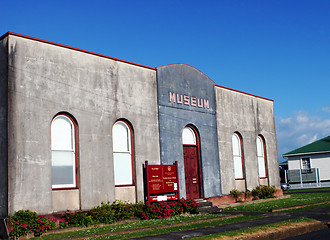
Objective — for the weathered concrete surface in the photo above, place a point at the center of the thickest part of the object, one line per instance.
(250, 116)
(126, 193)
(68, 198)
(3, 128)
(39, 79)
(173, 117)
(46, 79)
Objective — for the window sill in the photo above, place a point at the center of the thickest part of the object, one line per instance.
(70, 188)
(128, 185)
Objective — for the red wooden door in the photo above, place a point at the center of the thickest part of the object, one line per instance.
(190, 154)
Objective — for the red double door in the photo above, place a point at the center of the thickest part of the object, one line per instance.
(192, 172)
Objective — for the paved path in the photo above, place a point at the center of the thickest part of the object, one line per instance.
(323, 234)
(320, 214)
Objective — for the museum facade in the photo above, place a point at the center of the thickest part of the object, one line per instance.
(77, 128)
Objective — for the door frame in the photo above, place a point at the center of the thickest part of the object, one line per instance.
(201, 193)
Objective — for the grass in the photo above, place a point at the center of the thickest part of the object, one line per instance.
(252, 229)
(188, 222)
(307, 207)
(163, 224)
(178, 228)
(294, 200)
(307, 189)
(133, 225)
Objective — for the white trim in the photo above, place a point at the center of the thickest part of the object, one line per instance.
(119, 170)
(73, 151)
(307, 153)
(237, 156)
(261, 159)
(301, 162)
(189, 136)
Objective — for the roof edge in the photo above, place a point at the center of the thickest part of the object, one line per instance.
(301, 154)
(73, 48)
(231, 89)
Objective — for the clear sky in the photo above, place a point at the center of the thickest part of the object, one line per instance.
(277, 49)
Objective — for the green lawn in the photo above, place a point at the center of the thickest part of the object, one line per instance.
(252, 229)
(306, 207)
(178, 228)
(294, 200)
(138, 228)
(307, 190)
(187, 222)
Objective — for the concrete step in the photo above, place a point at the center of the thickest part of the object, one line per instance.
(206, 207)
(205, 204)
(210, 210)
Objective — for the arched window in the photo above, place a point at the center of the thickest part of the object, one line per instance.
(64, 156)
(261, 157)
(189, 136)
(122, 154)
(238, 156)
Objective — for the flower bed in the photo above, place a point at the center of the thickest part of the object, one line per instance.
(28, 222)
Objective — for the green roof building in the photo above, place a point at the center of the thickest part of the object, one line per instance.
(317, 147)
(315, 155)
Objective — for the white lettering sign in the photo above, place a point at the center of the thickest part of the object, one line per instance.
(188, 100)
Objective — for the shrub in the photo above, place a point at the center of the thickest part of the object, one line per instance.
(78, 219)
(262, 192)
(235, 193)
(25, 222)
(166, 209)
(62, 223)
(103, 214)
(121, 210)
(189, 206)
(42, 225)
(136, 209)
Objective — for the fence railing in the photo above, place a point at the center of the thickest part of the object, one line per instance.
(302, 176)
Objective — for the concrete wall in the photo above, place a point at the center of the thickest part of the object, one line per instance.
(3, 127)
(45, 79)
(250, 116)
(173, 117)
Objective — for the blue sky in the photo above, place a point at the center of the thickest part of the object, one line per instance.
(278, 49)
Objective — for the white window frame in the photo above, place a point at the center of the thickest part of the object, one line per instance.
(238, 158)
(189, 136)
(119, 170)
(72, 150)
(302, 162)
(261, 156)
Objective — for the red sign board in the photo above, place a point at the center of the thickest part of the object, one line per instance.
(162, 182)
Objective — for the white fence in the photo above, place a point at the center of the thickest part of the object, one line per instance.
(303, 178)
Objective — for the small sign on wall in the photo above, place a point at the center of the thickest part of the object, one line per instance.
(162, 182)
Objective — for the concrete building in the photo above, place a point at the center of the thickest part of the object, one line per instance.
(315, 155)
(77, 127)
